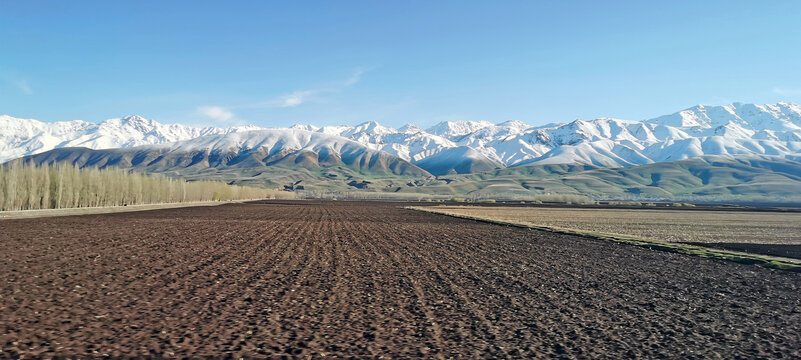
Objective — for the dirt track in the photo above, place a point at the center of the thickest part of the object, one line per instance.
(369, 279)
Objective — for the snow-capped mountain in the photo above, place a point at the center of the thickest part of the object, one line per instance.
(470, 146)
(246, 150)
(736, 129)
(20, 137)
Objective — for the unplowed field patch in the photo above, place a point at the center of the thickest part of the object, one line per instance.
(366, 279)
(763, 232)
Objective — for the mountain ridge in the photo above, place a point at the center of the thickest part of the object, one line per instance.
(472, 146)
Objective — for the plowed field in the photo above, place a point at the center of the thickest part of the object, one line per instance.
(365, 279)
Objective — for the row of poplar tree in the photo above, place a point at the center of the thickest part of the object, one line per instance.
(28, 187)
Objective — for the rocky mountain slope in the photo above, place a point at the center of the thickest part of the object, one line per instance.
(21, 137)
(736, 129)
(459, 146)
(247, 150)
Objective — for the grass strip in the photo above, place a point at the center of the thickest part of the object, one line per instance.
(734, 256)
(39, 213)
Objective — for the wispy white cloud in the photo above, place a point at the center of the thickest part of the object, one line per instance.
(300, 97)
(356, 77)
(289, 100)
(295, 98)
(16, 81)
(785, 91)
(23, 86)
(216, 113)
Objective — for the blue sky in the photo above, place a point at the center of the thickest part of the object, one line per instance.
(274, 63)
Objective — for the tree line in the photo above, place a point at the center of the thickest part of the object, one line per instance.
(25, 186)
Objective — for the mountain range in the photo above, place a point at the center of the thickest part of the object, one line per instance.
(467, 146)
(281, 156)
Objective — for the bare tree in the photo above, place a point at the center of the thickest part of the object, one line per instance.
(27, 186)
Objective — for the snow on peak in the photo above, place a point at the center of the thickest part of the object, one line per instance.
(307, 127)
(21, 137)
(737, 128)
(778, 117)
(372, 128)
(457, 128)
(514, 124)
(136, 119)
(410, 129)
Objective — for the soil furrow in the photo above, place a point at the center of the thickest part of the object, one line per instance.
(307, 279)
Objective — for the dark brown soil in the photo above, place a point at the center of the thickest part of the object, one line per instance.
(366, 279)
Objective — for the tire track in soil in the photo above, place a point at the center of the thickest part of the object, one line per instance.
(361, 281)
(455, 296)
(303, 279)
(286, 326)
(235, 300)
(431, 321)
(506, 299)
(456, 292)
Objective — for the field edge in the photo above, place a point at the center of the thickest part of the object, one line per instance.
(40, 213)
(734, 256)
